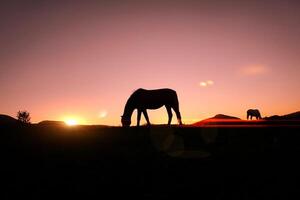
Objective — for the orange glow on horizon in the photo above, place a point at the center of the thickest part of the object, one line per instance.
(71, 122)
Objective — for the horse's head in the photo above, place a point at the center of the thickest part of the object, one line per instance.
(125, 121)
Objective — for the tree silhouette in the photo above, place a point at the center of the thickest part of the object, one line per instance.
(24, 116)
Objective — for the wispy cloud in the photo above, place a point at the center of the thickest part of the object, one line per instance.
(206, 83)
(254, 70)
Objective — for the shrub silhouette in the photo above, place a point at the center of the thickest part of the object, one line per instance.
(23, 116)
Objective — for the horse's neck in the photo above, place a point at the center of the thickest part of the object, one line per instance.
(129, 107)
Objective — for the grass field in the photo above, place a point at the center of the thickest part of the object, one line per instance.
(211, 162)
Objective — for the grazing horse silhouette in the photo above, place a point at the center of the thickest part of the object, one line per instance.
(253, 112)
(143, 99)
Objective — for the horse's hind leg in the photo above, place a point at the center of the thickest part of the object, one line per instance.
(178, 115)
(170, 115)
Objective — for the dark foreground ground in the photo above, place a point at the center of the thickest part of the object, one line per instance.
(150, 163)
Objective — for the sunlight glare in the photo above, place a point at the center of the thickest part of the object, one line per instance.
(103, 114)
(71, 122)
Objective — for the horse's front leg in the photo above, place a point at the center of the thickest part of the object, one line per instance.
(146, 116)
(139, 117)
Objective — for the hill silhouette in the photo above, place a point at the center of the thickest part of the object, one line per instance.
(291, 116)
(217, 119)
(7, 120)
(275, 120)
(40, 160)
(224, 162)
(221, 116)
(52, 123)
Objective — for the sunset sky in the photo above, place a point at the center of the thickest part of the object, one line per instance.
(81, 60)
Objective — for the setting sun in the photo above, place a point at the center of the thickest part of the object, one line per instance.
(71, 122)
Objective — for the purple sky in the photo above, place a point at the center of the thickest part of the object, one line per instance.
(82, 59)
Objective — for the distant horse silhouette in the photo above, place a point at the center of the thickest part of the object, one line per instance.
(143, 99)
(253, 113)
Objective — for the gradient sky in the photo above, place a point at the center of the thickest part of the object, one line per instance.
(83, 59)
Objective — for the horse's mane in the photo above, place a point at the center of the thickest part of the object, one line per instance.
(131, 97)
(134, 92)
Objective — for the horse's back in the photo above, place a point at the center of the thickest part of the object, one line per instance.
(161, 92)
(155, 98)
(165, 93)
(252, 111)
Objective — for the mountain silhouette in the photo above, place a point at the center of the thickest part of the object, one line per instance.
(7, 120)
(52, 123)
(221, 116)
(217, 119)
(291, 116)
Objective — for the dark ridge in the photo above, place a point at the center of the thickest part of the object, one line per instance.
(7, 120)
(221, 116)
(216, 119)
(291, 116)
(52, 123)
